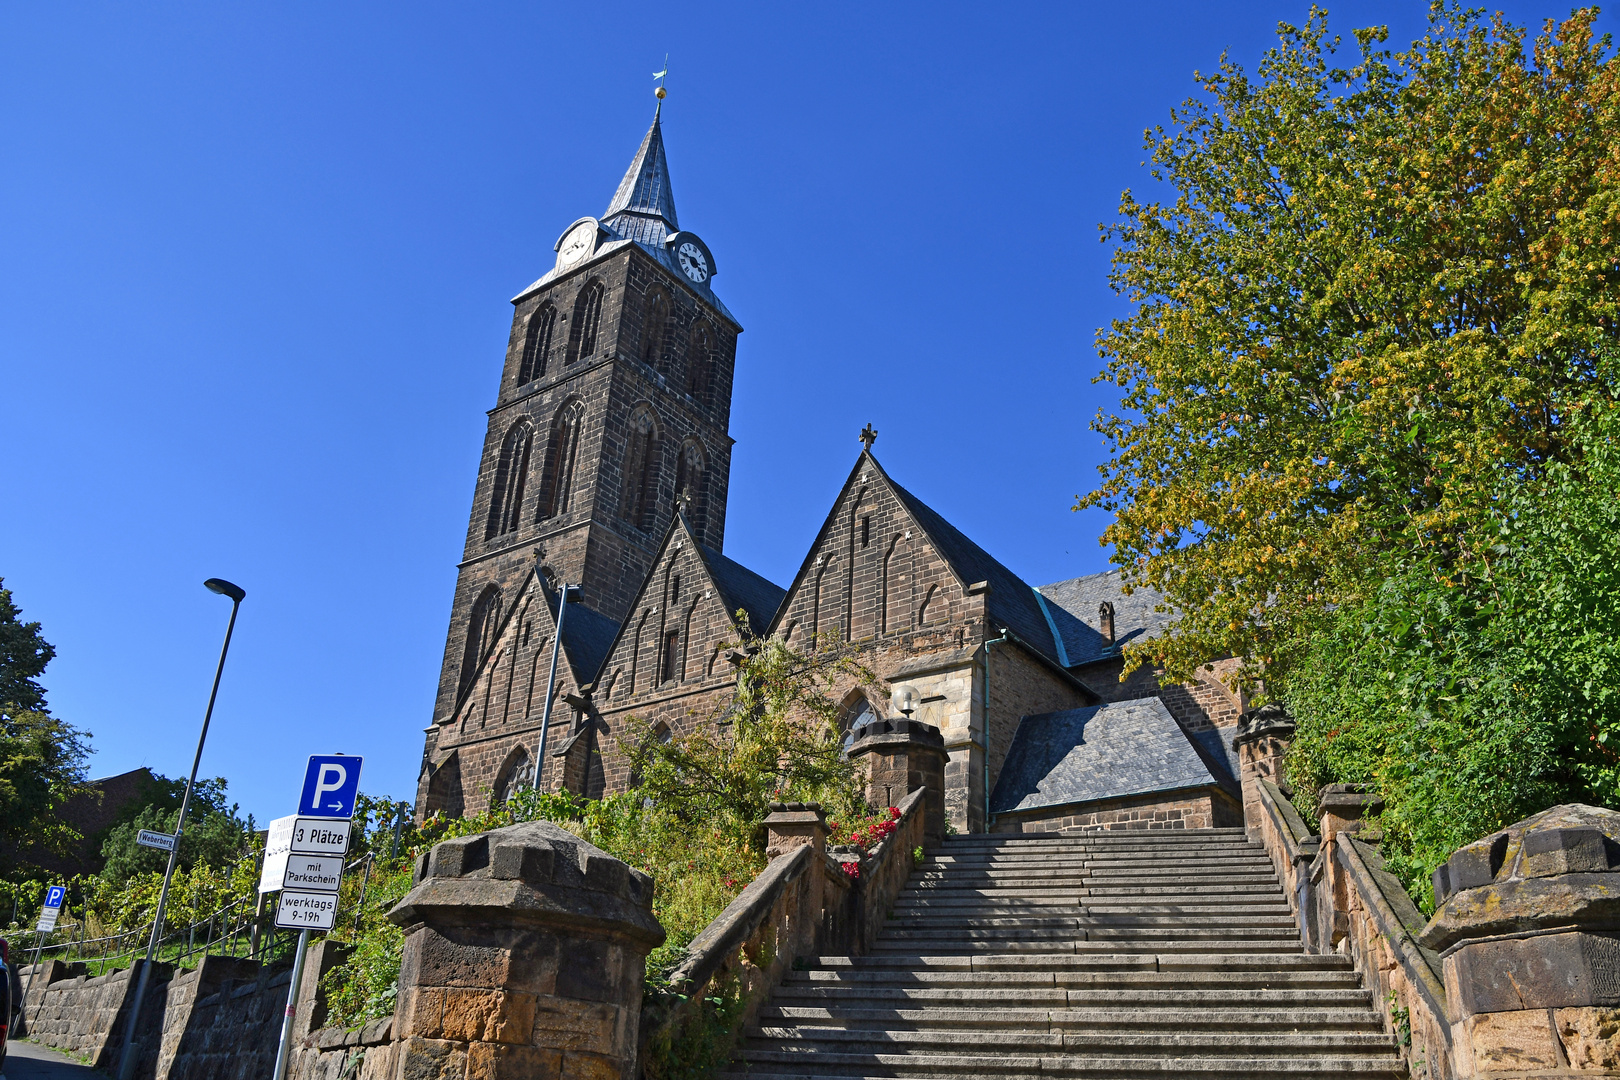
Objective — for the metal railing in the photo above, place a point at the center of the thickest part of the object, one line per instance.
(242, 927)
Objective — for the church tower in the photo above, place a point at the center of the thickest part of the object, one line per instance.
(614, 401)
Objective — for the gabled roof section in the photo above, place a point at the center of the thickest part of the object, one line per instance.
(1073, 606)
(1110, 751)
(1013, 603)
(644, 203)
(736, 586)
(741, 588)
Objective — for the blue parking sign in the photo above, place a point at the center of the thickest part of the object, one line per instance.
(55, 895)
(330, 785)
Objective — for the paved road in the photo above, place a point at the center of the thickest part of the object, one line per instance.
(30, 1061)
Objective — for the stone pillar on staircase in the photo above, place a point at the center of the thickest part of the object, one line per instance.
(1342, 808)
(796, 825)
(1261, 741)
(903, 756)
(1528, 930)
(525, 953)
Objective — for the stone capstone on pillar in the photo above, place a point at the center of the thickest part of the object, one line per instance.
(524, 956)
(1343, 806)
(1528, 929)
(904, 756)
(1261, 742)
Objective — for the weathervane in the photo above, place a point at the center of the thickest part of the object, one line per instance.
(868, 437)
(659, 75)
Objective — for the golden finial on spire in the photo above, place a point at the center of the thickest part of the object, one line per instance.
(659, 75)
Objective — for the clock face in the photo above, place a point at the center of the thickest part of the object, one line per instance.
(579, 242)
(694, 264)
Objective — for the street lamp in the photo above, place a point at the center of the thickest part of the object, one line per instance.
(126, 1059)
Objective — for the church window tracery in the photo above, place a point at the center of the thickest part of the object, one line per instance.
(537, 343)
(640, 469)
(511, 473)
(562, 450)
(583, 334)
(516, 775)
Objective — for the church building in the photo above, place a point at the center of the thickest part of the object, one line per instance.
(600, 505)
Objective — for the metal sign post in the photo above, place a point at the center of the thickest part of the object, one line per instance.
(303, 861)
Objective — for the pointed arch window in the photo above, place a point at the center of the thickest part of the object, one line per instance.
(655, 329)
(583, 335)
(511, 475)
(515, 776)
(640, 469)
(692, 485)
(537, 342)
(700, 362)
(482, 627)
(562, 451)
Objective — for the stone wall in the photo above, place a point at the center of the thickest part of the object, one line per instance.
(1208, 809)
(221, 1019)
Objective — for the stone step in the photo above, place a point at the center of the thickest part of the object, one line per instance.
(1176, 1043)
(1087, 1021)
(1176, 961)
(1204, 925)
(1100, 945)
(1134, 998)
(784, 1064)
(1250, 980)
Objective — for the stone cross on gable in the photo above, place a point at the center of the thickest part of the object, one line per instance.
(868, 437)
(684, 501)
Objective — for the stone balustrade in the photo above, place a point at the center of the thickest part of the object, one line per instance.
(1518, 972)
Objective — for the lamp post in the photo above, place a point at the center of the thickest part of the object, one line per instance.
(569, 595)
(126, 1059)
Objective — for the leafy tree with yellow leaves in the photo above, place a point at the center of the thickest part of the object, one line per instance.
(1378, 292)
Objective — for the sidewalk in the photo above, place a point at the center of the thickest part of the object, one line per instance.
(31, 1061)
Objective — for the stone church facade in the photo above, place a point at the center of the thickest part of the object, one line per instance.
(604, 472)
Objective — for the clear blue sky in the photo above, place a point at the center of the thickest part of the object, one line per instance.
(254, 270)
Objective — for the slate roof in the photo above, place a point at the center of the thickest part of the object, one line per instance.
(1073, 605)
(741, 588)
(586, 638)
(1012, 602)
(645, 190)
(1108, 751)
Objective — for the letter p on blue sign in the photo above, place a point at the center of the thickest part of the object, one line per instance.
(330, 785)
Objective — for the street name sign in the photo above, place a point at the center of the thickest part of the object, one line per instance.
(53, 907)
(161, 840)
(306, 910)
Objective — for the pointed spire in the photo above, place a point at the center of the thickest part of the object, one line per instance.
(645, 188)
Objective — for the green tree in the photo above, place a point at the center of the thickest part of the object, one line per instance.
(1473, 700)
(216, 834)
(777, 739)
(42, 758)
(1377, 292)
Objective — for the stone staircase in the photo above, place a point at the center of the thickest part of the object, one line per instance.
(1097, 955)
